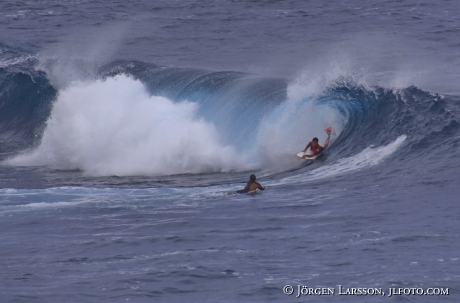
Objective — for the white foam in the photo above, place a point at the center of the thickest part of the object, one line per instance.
(293, 124)
(79, 56)
(113, 127)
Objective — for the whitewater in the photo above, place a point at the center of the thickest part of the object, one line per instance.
(127, 128)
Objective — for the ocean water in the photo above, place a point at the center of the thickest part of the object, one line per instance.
(126, 128)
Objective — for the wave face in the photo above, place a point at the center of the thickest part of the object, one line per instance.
(143, 119)
(25, 103)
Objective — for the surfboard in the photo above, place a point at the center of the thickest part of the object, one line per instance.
(300, 155)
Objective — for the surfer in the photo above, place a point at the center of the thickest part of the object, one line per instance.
(251, 185)
(314, 145)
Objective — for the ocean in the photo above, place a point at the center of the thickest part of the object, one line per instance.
(127, 127)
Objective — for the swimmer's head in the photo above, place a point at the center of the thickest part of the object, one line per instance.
(252, 177)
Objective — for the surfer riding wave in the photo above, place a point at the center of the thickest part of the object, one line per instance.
(314, 146)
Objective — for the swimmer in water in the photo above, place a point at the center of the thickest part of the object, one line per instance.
(251, 185)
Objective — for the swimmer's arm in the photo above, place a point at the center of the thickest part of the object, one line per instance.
(260, 186)
(306, 147)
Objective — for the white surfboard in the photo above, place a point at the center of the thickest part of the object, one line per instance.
(301, 154)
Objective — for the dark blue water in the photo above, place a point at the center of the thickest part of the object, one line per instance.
(126, 129)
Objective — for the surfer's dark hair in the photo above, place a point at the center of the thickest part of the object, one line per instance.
(315, 139)
(252, 177)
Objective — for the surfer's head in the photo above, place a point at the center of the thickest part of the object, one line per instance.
(314, 142)
(252, 178)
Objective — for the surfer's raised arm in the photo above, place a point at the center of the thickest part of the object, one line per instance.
(326, 143)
